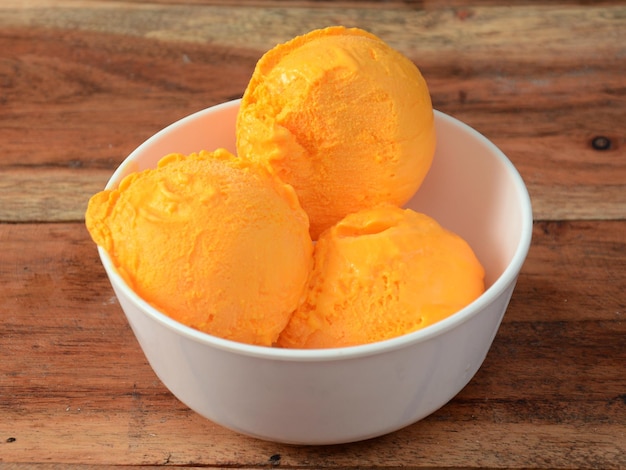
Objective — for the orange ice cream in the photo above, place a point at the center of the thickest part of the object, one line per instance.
(215, 242)
(342, 117)
(381, 273)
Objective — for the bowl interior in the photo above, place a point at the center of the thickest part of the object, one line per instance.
(475, 191)
(208, 129)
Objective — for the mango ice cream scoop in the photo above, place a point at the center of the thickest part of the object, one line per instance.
(342, 117)
(381, 273)
(215, 242)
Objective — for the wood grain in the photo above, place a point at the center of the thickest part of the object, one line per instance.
(76, 387)
(85, 82)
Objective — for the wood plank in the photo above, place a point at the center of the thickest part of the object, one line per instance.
(90, 100)
(48, 194)
(83, 82)
(75, 387)
(61, 195)
(76, 100)
(534, 31)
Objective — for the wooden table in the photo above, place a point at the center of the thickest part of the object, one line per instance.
(83, 82)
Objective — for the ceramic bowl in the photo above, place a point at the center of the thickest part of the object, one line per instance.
(345, 394)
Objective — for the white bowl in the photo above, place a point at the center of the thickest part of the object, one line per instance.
(345, 394)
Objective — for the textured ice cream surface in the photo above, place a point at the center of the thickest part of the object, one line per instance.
(213, 241)
(381, 273)
(341, 116)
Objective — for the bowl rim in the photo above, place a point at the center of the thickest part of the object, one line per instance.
(508, 276)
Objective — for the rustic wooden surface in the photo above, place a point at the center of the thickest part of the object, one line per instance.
(84, 82)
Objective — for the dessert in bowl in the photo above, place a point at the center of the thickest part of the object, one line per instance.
(344, 394)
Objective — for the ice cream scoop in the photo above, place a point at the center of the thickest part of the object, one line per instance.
(341, 116)
(381, 273)
(213, 241)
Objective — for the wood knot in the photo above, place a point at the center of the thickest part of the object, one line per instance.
(601, 143)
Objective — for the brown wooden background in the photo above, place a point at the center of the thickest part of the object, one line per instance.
(83, 82)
